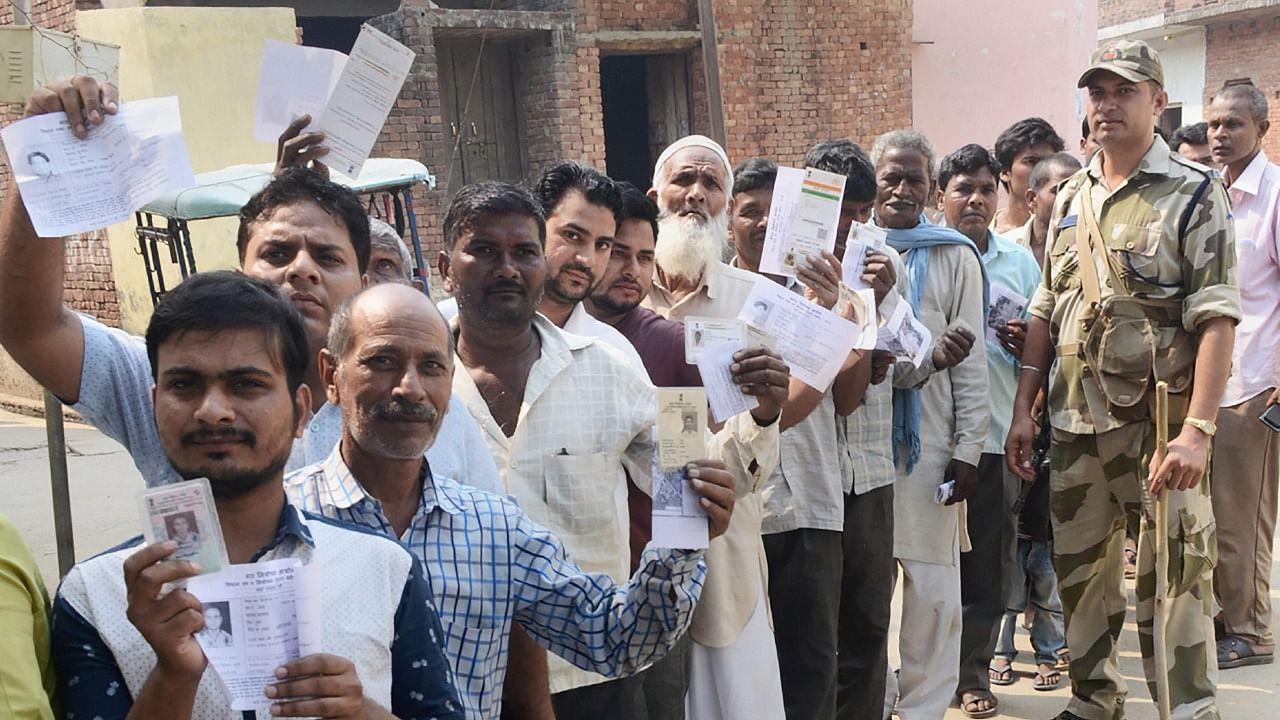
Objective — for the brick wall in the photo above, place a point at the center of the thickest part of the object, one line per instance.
(1115, 12)
(89, 285)
(1247, 49)
(795, 72)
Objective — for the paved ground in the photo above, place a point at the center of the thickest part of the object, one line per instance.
(104, 486)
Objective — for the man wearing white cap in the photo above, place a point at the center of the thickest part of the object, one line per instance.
(734, 663)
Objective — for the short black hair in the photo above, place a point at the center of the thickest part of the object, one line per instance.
(490, 198)
(969, 159)
(845, 157)
(754, 174)
(302, 185)
(638, 206)
(1043, 169)
(1024, 134)
(595, 186)
(1084, 128)
(1193, 134)
(228, 300)
(36, 154)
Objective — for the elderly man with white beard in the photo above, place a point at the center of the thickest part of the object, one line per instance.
(733, 663)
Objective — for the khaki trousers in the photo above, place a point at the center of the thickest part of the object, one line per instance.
(1246, 470)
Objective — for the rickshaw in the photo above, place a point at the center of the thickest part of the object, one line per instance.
(387, 183)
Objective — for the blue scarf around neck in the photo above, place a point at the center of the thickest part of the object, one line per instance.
(906, 401)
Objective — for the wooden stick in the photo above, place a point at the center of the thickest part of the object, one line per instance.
(1160, 618)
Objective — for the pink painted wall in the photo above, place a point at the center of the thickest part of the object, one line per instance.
(980, 66)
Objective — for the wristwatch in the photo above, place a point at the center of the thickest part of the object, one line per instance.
(1208, 427)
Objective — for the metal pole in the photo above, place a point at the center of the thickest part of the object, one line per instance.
(54, 432)
(711, 68)
(57, 439)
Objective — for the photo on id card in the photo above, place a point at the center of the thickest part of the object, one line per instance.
(184, 513)
(682, 417)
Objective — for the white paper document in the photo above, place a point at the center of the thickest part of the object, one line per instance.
(812, 340)
(295, 80)
(678, 520)
(905, 336)
(860, 305)
(72, 186)
(861, 240)
(257, 617)
(804, 216)
(1006, 305)
(362, 99)
(725, 397)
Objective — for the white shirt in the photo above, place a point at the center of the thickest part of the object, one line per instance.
(1255, 208)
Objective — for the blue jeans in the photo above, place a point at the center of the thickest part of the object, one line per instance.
(1034, 578)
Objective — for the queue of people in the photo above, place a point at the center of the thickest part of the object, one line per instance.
(474, 478)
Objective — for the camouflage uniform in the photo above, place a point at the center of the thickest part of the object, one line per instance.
(1099, 462)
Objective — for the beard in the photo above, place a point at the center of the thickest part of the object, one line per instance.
(686, 248)
(229, 483)
(557, 291)
(611, 307)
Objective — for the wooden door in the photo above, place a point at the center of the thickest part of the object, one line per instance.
(478, 99)
(667, 87)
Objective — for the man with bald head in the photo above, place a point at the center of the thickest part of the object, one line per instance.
(389, 367)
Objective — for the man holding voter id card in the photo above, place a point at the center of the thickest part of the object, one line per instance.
(228, 355)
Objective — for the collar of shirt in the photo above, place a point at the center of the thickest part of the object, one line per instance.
(338, 488)
(708, 283)
(290, 525)
(1154, 162)
(1251, 179)
(998, 245)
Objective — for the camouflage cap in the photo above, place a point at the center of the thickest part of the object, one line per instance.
(1132, 60)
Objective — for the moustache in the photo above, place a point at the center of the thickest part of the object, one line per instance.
(220, 435)
(401, 411)
(576, 266)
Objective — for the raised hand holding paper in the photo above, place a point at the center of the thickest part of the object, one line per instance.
(861, 240)
(726, 398)
(812, 340)
(362, 99)
(904, 336)
(72, 186)
(804, 216)
(295, 80)
(678, 519)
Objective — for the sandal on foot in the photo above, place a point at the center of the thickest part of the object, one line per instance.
(1234, 651)
(971, 702)
(1064, 660)
(1001, 674)
(1047, 678)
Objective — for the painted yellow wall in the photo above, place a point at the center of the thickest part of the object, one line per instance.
(209, 58)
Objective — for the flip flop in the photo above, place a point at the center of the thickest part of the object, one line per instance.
(973, 697)
(1046, 680)
(1001, 675)
(1234, 651)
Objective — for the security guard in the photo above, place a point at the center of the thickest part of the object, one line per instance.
(1156, 299)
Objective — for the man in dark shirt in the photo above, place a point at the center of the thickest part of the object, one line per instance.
(625, 285)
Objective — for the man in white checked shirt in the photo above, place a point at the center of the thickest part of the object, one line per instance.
(389, 367)
(562, 413)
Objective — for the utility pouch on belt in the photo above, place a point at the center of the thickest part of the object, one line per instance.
(1130, 342)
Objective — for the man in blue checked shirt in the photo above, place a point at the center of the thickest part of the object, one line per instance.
(389, 367)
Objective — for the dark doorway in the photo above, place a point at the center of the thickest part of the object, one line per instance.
(334, 33)
(646, 107)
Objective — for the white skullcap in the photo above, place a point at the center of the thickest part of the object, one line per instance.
(689, 141)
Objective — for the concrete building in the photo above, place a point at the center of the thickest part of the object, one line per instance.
(1205, 45)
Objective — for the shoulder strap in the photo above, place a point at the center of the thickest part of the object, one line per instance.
(1089, 274)
(1184, 222)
